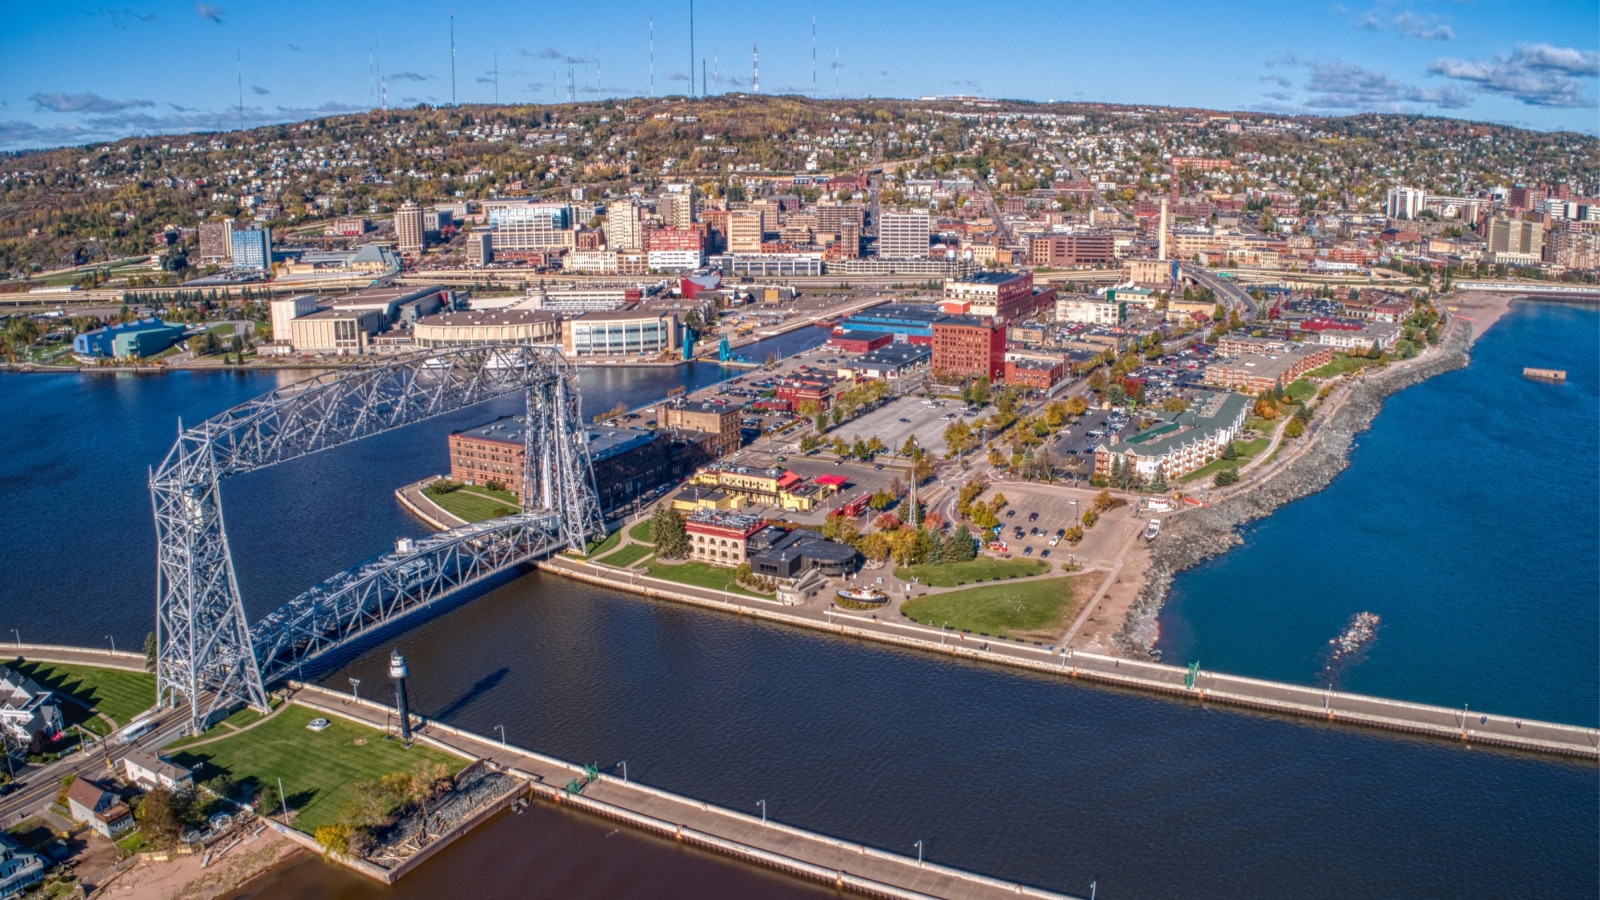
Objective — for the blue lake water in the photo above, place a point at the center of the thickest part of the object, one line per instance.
(1469, 520)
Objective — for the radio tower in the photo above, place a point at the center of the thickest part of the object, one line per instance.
(652, 56)
(453, 56)
(691, 49)
(755, 62)
(238, 57)
(813, 50)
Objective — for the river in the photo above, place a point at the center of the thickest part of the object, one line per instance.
(1006, 773)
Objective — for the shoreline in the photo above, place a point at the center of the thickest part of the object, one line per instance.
(1202, 534)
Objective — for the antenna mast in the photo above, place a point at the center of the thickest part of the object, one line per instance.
(497, 78)
(691, 50)
(813, 49)
(453, 56)
(755, 62)
(652, 56)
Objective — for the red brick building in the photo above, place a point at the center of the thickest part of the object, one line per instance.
(1057, 250)
(968, 347)
(859, 341)
(798, 389)
(674, 239)
(1038, 374)
(720, 538)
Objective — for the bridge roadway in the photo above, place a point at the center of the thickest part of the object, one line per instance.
(1337, 707)
(851, 867)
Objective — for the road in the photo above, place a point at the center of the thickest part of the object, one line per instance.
(1231, 294)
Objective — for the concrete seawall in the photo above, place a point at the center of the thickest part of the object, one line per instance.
(846, 866)
(1457, 725)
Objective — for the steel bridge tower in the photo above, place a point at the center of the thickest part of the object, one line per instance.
(207, 651)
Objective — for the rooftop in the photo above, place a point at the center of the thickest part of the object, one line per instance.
(489, 317)
(992, 277)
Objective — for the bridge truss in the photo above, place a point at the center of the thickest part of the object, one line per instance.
(207, 651)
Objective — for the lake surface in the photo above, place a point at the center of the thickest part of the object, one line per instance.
(1006, 773)
(1469, 520)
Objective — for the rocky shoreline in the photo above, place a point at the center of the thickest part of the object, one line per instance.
(1200, 534)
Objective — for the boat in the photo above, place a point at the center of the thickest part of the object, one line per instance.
(1153, 529)
(1362, 628)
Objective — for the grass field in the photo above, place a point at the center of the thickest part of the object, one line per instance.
(1248, 450)
(476, 504)
(983, 568)
(241, 719)
(698, 575)
(318, 768)
(117, 693)
(1032, 610)
(643, 531)
(603, 545)
(628, 555)
(1343, 365)
(1301, 391)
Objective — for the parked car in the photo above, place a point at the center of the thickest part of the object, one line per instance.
(1028, 550)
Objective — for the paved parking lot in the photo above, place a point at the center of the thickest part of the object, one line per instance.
(1058, 507)
(900, 418)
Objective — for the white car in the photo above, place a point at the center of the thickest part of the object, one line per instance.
(318, 724)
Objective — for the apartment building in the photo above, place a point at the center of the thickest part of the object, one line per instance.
(1179, 443)
(904, 235)
(968, 347)
(408, 227)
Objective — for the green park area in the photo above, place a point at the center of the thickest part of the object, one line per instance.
(628, 555)
(117, 693)
(475, 504)
(1344, 365)
(321, 770)
(1034, 610)
(698, 575)
(603, 544)
(1247, 451)
(984, 568)
(644, 530)
(1300, 391)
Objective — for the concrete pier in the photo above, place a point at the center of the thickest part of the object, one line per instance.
(846, 866)
(1462, 725)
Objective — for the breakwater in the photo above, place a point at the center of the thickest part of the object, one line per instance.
(1200, 534)
(1142, 675)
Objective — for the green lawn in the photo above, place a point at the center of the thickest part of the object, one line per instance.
(1343, 365)
(644, 530)
(1248, 450)
(117, 693)
(628, 555)
(318, 768)
(240, 719)
(698, 575)
(603, 545)
(476, 504)
(1035, 610)
(1301, 391)
(984, 568)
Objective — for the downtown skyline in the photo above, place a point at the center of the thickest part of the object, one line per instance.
(174, 67)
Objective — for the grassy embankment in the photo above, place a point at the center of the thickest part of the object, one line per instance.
(698, 575)
(644, 531)
(319, 769)
(1248, 450)
(984, 568)
(1344, 365)
(117, 693)
(477, 504)
(1036, 610)
(628, 555)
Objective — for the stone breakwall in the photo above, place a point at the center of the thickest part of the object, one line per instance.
(1200, 534)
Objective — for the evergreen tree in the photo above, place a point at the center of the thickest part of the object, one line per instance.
(672, 541)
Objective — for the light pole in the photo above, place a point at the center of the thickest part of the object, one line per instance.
(725, 589)
(502, 734)
(19, 636)
(919, 853)
(1093, 885)
(355, 688)
(763, 805)
(624, 765)
(113, 643)
(283, 799)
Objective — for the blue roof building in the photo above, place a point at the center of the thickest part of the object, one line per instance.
(145, 337)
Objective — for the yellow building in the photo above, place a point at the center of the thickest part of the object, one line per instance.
(762, 487)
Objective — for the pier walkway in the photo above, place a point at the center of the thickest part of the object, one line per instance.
(850, 867)
(1463, 725)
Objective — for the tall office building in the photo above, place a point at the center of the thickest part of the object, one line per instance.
(408, 227)
(676, 205)
(252, 249)
(832, 218)
(744, 231)
(216, 241)
(622, 226)
(1404, 202)
(1516, 240)
(524, 226)
(904, 235)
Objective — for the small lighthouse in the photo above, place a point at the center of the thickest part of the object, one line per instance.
(398, 673)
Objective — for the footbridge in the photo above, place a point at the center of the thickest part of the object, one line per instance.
(210, 655)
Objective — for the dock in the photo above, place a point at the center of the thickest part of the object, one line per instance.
(1544, 374)
(845, 866)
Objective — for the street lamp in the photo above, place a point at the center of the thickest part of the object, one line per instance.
(725, 589)
(113, 643)
(763, 805)
(919, 853)
(19, 636)
(355, 688)
(502, 734)
(624, 765)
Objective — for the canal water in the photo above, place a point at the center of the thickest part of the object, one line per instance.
(1005, 773)
(1469, 521)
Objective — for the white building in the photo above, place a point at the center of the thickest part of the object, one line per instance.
(1404, 202)
(904, 235)
(675, 260)
(1090, 310)
(286, 310)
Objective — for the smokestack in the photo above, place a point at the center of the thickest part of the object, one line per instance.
(398, 673)
(1162, 237)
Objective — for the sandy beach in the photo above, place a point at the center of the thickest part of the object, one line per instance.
(183, 878)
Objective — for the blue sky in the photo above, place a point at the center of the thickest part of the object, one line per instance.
(73, 71)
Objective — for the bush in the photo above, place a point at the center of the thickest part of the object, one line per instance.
(1226, 477)
(441, 487)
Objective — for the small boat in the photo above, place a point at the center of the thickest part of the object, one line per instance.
(1153, 529)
